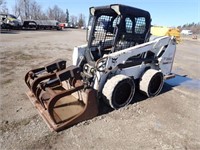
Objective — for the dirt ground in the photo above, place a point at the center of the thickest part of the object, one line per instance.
(169, 121)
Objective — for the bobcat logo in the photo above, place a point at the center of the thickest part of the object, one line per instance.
(114, 60)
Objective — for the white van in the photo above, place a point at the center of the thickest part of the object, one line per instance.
(186, 32)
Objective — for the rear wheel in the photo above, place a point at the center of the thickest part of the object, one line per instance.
(119, 91)
(152, 82)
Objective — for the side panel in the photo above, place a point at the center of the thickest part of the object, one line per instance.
(78, 51)
(167, 59)
(120, 57)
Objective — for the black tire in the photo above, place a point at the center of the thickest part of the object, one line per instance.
(118, 91)
(152, 82)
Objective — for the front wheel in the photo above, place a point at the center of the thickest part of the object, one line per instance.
(118, 91)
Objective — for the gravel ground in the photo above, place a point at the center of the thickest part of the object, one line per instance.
(169, 121)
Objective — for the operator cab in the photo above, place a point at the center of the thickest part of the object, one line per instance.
(116, 27)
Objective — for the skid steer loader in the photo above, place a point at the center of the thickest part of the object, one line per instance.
(119, 56)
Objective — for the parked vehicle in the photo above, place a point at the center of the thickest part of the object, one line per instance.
(186, 32)
(8, 21)
(42, 24)
(166, 31)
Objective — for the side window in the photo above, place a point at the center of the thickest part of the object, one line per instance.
(140, 25)
(129, 25)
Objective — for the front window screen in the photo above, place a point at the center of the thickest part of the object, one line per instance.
(104, 29)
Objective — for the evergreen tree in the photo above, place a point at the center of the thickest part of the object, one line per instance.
(67, 16)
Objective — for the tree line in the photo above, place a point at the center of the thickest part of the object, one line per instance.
(30, 9)
(194, 27)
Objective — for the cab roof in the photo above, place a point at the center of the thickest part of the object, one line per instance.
(119, 10)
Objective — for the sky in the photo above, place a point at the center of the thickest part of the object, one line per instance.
(163, 12)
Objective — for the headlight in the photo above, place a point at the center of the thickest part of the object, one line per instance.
(101, 64)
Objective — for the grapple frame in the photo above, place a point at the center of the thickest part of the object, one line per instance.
(60, 95)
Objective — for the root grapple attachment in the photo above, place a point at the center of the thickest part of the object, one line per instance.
(60, 95)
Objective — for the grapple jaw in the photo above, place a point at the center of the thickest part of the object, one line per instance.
(61, 97)
(35, 76)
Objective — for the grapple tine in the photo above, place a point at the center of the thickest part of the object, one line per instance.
(38, 97)
(35, 76)
(89, 111)
(56, 97)
(37, 81)
(30, 76)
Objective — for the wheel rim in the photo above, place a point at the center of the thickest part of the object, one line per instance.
(123, 93)
(156, 84)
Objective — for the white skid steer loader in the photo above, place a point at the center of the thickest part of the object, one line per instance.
(119, 56)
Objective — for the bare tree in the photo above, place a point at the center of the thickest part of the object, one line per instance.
(19, 9)
(50, 13)
(73, 20)
(35, 11)
(28, 9)
(81, 20)
(3, 8)
(56, 13)
(1, 2)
